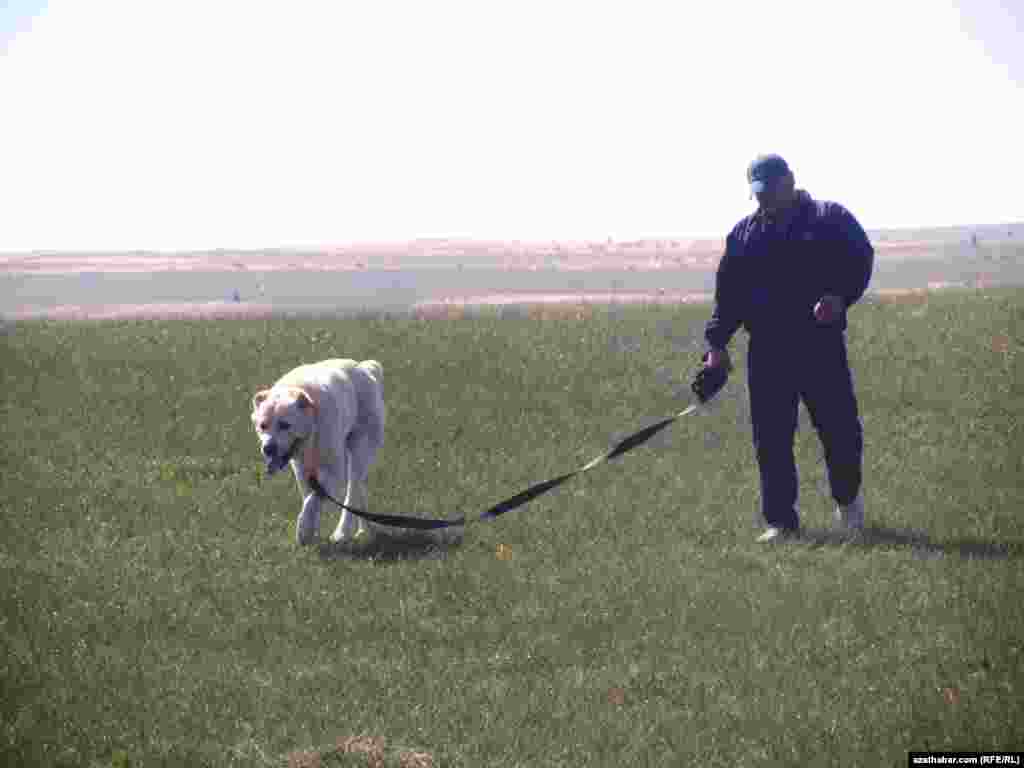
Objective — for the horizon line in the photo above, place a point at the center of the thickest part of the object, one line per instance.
(473, 239)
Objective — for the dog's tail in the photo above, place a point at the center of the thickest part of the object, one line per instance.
(375, 369)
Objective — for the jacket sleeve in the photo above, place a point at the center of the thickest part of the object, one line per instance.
(856, 256)
(727, 314)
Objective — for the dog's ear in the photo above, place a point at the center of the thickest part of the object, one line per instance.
(259, 397)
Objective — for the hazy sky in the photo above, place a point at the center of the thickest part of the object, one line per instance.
(223, 123)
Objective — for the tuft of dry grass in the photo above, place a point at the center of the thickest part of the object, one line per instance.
(304, 759)
(415, 760)
(373, 747)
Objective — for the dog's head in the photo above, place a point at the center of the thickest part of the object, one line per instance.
(284, 420)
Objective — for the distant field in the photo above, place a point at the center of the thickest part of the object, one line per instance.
(156, 611)
(393, 282)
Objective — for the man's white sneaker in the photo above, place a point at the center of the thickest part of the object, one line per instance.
(851, 517)
(774, 533)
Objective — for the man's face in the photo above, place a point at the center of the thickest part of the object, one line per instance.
(777, 195)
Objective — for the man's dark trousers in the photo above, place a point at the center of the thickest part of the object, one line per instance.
(811, 366)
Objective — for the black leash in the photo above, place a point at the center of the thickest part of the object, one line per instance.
(423, 523)
(707, 383)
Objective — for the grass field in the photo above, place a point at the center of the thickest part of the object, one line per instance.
(156, 611)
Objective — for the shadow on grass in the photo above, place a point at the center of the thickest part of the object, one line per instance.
(918, 541)
(395, 544)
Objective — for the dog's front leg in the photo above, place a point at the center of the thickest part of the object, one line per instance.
(307, 527)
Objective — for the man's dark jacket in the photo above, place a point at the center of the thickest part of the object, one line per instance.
(768, 281)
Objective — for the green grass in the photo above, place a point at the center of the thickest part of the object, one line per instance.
(156, 611)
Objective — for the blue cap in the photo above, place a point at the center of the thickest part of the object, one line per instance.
(764, 170)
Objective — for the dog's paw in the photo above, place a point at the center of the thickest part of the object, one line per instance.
(307, 526)
(340, 537)
(354, 536)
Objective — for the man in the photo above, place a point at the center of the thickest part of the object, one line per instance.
(789, 273)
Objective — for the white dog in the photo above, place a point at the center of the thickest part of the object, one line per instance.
(327, 419)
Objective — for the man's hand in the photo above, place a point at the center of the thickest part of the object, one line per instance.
(828, 308)
(712, 375)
